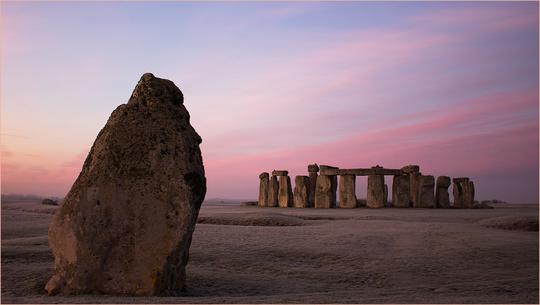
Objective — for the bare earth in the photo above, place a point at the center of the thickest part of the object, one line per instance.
(274, 255)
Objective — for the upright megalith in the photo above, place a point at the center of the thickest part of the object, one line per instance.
(400, 191)
(470, 197)
(413, 171)
(442, 198)
(347, 191)
(263, 189)
(273, 192)
(375, 191)
(325, 189)
(301, 192)
(285, 196)
(426, 197)
(125, 226)
(313, 169)
(463, 190)
(385, 196)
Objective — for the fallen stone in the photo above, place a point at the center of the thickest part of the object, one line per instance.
(125, 226)
(48, 201)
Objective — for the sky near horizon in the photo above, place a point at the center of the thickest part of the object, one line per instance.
(452, 87)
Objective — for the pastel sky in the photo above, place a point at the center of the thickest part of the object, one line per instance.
(452, 87)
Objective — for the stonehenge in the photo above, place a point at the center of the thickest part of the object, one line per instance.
(410, 189)
(263, 189)
(301, 192)
(442, 198)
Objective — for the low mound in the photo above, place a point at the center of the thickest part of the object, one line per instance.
(519, 223)
(252, 219)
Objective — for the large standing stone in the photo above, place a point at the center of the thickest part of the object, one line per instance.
(263, 189)
(328, 198)
(442, 198)
(400, 191)
(126, 224)
(285, 197)
(301, 192)
(413, 171)
(426, 197)
(313, 169)
(324, 193)
(375, 191)
(347, 191)
(385, 197)
(471, 195)
(273, 192)
(463, 193)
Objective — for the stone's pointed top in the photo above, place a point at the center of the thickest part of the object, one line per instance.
(313, 168)
(151, 89)
(147, 76)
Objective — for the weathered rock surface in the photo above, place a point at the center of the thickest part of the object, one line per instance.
(347, 191)
(400, 191)
(413, 171)
(285, 197)
(469, 198)
(385, 196)
(426, 196)
(461, 191)
(301, 192)
(273, 192)
(312, 169)
(280, 173)
(442, 197)
(325, 195)
(375, 191)
(126, 224)
(263, 189)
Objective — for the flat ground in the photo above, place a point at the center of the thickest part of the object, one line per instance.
(272, 255)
